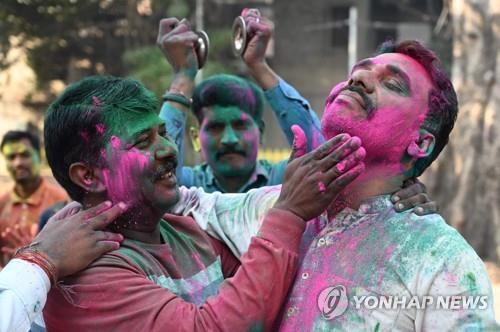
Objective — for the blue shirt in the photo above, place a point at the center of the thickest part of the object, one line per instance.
(290, 109)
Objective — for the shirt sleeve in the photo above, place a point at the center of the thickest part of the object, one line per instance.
(231, 218)
(23, 292)
(175, 123)
(291, 108)
(116, 297)
(461, 279)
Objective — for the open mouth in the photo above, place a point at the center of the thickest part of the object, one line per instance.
(166, 171)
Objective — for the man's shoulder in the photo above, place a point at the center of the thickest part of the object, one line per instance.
(428, 237)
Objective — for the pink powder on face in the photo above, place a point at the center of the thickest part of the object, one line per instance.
(100, 128)
(388, 130)
(126, 168)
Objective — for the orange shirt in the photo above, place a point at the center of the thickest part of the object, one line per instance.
(26, 211)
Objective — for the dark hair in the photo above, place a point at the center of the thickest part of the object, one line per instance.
(443, 105)
(80, 123)
(17, 135)
(229, 90)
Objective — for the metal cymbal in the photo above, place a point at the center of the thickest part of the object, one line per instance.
(239, 36)
(201, 48)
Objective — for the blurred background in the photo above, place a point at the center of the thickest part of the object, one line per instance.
(47, 44)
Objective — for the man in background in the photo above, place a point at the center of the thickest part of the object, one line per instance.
(21, 205)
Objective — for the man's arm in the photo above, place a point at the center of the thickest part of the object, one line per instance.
(70, 241)
(289, 107)
(114, 294)
(175, 39)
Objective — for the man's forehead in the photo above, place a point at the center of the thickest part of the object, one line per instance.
(16, 147)
(225, 112)
(403, 62)
(400, 64)
(134, 127)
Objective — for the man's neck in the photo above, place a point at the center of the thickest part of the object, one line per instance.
(25, 190)
(233, 184)
(132, 223)
(153, 237)
(374, 181)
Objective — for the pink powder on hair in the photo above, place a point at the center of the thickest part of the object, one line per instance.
(100, 128)
(115, 142)
(96, 101)
(85, 136)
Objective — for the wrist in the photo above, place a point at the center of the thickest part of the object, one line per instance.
(185, 73)
(284, 207)
(31, 253)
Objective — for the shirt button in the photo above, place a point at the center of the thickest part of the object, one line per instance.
(321, 242)
(291, 311)
(305, 275)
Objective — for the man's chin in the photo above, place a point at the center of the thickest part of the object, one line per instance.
(234, 170)
(167, 200)
(24, 180)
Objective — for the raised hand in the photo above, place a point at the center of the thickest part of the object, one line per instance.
(176, 40)
(260, 31)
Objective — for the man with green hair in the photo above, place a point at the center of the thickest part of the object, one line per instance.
(105, 142)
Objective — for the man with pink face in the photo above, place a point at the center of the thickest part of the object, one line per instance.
(365, 267)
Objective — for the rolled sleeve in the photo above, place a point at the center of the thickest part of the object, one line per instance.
(290, 108)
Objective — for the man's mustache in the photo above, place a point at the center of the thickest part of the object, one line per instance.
(169, 166)
(225, 151)
(366, 100)
(369, 105)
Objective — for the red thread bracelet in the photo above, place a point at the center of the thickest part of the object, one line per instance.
(34, 256)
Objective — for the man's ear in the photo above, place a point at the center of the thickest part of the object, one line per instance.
(194, 133)
(86, 177)
(422, 146)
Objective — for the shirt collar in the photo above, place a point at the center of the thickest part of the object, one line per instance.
(33, 199)
(260, 172)
(348, 218)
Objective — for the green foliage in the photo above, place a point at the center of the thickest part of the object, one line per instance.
(148, 65)
(69, 39)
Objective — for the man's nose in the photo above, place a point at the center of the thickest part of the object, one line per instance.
(364, 79)
(229, 136)
(165, 150)
(18, 161)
